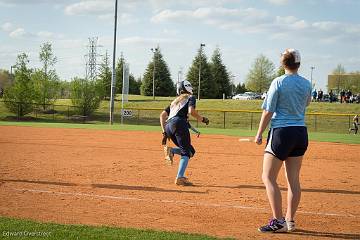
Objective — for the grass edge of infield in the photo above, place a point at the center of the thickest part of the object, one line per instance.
(313, 136)
(15, 226)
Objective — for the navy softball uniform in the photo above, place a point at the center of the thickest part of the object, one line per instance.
(177, 126)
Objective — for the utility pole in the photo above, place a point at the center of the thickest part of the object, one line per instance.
(180, 75)
(154, 50)
(113, 76)
(200, 55)
(312, 69)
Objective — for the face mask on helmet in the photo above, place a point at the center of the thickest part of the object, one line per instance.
(184, 86)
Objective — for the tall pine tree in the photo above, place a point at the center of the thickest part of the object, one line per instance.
(164, 86)
(220, 74)
(119, 74)
(134, 87)
(208, 87)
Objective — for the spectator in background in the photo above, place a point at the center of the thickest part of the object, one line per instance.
(314, 95)
(348, 95)
(320, 95)
(352, 99)
(357, 98)
(342, 96)
(331, 96)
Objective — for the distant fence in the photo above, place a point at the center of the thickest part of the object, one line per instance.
(226, 119)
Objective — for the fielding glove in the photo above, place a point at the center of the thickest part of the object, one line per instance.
(205, 120)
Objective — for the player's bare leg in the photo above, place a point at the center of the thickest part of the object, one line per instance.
(292, 172)
(271, 168)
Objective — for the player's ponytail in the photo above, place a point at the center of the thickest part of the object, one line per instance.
(180, 98)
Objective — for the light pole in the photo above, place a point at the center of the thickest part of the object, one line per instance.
(201, 46)
(180, 76)
(312, 69)
(154, 51)
(113, 76)
(11, 69)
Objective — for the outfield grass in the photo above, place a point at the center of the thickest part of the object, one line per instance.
(25, 229)
(313, 136)
(137, 101)
(146, 112)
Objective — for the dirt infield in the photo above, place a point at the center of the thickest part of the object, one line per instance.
(118, 178)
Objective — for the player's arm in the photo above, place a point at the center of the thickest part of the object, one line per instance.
(163, 116)
(197, 116)
(192, 111)
(264, 122)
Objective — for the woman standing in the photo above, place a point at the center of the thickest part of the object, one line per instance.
(284, 106)
(174, 124)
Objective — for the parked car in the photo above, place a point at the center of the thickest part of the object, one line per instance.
(263, 96)
(245, 96)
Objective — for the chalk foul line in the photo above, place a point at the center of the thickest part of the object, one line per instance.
(177, 202)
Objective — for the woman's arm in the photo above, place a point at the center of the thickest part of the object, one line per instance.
(264, 122)
(197, 116)
(163, 116)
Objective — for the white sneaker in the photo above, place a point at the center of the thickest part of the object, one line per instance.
(290, 226)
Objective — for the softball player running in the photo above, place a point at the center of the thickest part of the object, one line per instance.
(175, 126)
(284, 106)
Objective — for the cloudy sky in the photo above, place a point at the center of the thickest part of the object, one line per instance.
(327, 32)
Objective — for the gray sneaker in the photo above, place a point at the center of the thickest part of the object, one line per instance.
(183, 181)
(169, 155)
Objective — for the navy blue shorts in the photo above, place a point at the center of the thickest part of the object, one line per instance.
(177, 129)
(287, 142)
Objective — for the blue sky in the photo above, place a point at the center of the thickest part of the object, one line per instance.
(327, 32)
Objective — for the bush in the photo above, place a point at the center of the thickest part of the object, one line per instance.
(85, 94)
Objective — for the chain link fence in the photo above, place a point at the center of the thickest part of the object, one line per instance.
(226, 119)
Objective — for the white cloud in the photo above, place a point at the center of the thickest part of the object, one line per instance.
(89, 7)
(18, 33)
(335, 32)
(14, 3)
(251, 20)
(123, 19)
(102, 7)
(278, 2)
(211, 15)
(7, 27)
(49, 35)
(142, 40)
(285, 20)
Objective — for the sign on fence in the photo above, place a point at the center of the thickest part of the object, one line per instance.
(126, 113)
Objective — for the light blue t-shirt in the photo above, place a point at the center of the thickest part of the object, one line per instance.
(287, 99)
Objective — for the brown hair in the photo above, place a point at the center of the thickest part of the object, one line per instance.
(288, 61)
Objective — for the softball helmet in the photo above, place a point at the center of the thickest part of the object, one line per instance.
(184, 87)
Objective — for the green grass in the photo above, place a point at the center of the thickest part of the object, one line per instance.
(54, 231)
(234, 120)
(313, 136)
(136, 101)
